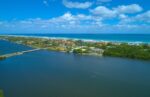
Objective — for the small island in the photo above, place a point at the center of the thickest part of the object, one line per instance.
(84, 47)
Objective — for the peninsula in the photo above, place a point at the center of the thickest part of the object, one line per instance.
(96, 48)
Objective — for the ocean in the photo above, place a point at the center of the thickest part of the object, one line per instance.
(138, 38)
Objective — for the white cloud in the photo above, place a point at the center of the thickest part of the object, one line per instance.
(103, 11)
(68, 16)
(80, 5)
(144, 17)
(123, 16)
(139, 19)
(118, 12)
(65, 23)
(61, 25)
(133, 8)
(80, 23)
(73, 20)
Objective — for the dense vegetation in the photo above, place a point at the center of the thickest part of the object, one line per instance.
(129, 51)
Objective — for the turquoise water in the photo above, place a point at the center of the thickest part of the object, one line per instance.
(101, 37)
(55, 74)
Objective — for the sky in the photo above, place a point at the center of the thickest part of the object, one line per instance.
(74, 16)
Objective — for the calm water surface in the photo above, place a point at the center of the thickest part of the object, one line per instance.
(54, 74)
(9, 47)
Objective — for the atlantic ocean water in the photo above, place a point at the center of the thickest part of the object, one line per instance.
(142, 38)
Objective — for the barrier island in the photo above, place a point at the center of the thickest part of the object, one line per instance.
(85, 47)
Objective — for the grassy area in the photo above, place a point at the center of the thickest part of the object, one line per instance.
(1, 93)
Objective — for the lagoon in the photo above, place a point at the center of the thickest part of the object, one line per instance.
(56, 74)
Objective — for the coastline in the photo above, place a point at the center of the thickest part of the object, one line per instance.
(84, 47)
(82, 39)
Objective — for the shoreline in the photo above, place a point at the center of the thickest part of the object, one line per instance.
(88, 47)
(84, 40)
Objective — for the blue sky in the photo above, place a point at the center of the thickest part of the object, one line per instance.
(74, 16)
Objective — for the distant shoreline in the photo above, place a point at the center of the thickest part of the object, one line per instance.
(82, 39)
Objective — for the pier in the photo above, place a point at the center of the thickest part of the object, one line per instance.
(18, 53)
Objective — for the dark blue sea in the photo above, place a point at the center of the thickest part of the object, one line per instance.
(56, 74)
(144, 38)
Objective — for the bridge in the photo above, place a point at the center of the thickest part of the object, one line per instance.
(19, 53)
